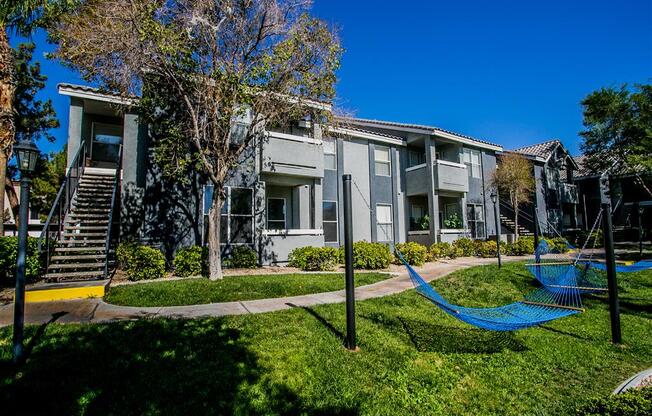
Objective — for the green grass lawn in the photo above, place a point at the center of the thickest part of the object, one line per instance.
(232, 288)
(414, 359)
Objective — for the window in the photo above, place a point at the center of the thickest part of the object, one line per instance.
(384, 227)
(472, 161)
(331, 230)
(276, 214)
(237, 215)
(330, 154)
(416, 158)
(382, 161)
(475, 220)
(419, 220)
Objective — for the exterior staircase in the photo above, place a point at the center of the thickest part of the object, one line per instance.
(509, 223)
(80, 251)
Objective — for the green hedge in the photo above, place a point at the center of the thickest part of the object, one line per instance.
(369, 256)
(633, 402)
(486, 249)
(8, 254)
(414, 253)
(314, 258)
(189, 261)
(140, 262)
(466, 246)
(243, 257)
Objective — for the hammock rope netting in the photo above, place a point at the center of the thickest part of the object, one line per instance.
(565, 273)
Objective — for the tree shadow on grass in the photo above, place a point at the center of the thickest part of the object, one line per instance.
(628, 305)
(430, 337)
(158, 366)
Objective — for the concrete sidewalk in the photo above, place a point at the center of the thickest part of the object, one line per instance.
(96, 310)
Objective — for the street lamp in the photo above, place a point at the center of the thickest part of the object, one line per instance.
(494, 199)
(26, 155)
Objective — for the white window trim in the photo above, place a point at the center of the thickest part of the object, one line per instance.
(337, 221)
(334, 153)
(285, 213)
(307, 231)
(470, 165)
(484, 216)
(387, 162)
(391, 215)
(228, 214)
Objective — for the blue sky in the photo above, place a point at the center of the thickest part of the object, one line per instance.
(512, 72)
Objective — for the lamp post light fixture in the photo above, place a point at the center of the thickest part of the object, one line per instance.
(494, 199)
(26, 155)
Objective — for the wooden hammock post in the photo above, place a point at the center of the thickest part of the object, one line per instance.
(614, 312)
(348, 261)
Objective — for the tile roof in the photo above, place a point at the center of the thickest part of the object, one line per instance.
(389, 136)
(542, 150)
(92, 90)
(584, 171)
(419, 127)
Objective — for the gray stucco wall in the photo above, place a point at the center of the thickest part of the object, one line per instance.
(276, 248)
(356, 162)
(75, 117)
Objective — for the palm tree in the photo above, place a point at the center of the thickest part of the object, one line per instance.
(20, 16)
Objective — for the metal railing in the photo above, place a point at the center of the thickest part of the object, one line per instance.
(115, 205)
(524, 219)
(54, 224)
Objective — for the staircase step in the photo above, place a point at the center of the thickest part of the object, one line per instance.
(79, 257)
(84, 210)
(83, 235)
(78, 215)
(80, 249)
(85, 227)
(76, 265)
(79, 241)
(87, 274)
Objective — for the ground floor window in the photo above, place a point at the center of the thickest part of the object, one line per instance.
(475, 220)
(276, 214)
(237, 215)
(419, 219)
(330, 222)
(384, 223)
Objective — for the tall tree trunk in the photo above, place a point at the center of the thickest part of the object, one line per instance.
(214, 223)
(7, 128)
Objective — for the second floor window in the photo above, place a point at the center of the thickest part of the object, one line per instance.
(382, 161)
(330, 154)
(416, 158)
(471, 159)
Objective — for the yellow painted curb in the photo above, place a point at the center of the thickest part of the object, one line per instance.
(49, 295)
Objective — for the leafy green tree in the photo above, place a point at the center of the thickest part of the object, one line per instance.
(33, 118)
(514, 178)
(618, 127)
(20, 16)
(211, 75)
(49, 175)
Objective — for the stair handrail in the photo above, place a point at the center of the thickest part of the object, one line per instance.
(114, 199)
(521, 214)
(61, 206)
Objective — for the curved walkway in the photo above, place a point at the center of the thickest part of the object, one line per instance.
(96, 310)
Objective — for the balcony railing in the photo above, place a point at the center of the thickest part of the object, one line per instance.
(280, 152)
(451, 176)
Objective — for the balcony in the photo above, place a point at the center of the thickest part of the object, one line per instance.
(416, 179)
(288, 154)
(451, 176)
(569, 193)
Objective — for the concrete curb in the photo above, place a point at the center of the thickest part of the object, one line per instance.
(633, 381)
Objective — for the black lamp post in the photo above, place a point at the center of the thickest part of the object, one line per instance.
(494, 199)
(26, 155)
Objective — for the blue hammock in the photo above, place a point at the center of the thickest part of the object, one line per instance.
(621, 268)
(540, 306)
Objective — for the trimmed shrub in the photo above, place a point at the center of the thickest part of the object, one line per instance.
(486, 248)
(369, 256)
(466, 245)
(414, 253)
(441, 250)
(8, 254)
(314, 258)
(558, 245)
(244, 257)
(140, 262)
(455, 252)
(188, 261)
(632, 402)
(523, 246)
